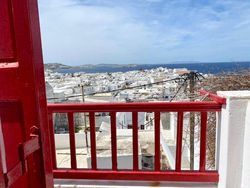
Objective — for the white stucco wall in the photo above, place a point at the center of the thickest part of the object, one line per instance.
(246, 149)
(62, 140)
(234, 140)
(123, 162)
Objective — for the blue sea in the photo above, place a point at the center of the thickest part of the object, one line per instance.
(212, 68)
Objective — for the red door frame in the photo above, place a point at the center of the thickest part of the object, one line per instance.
(22, 80)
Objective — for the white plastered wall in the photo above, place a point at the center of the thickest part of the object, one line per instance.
(234, 140)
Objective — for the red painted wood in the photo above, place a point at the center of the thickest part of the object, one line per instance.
(25, 83)
(136, 107)
(39, 80)
(11, 120)
(25, 149)
(135, 140)
(179, 141)
(113, 140)
(72, 140)
(203, 141)
(7, 45)
(157, 142)
(216, 98)
(184, 176)
(93, 140)
(52, 140)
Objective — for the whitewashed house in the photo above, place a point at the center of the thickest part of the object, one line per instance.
(124, 120)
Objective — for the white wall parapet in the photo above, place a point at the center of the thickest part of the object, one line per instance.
(234, 140)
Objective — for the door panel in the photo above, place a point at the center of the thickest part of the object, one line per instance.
(23, 82)
(6, 32)
(12, 134)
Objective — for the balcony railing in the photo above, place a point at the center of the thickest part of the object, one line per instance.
(201, 175)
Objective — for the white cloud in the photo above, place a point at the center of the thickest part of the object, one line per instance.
(242, 24)
(91, 32)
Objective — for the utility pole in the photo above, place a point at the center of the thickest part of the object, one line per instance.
(192, 77)
(85, 121)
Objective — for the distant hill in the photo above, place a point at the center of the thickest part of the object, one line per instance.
(53, 66)
(56, 66)
(206, 68)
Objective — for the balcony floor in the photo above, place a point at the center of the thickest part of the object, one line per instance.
(59, 183)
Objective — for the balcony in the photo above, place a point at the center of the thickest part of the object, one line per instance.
(232, 138)
(177, 174)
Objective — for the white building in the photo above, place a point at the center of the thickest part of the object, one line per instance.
(124, 120)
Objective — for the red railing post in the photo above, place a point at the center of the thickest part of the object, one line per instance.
(203, 141)
(179, 141)
(93, 140)
(113, 140)
(52, 140)
(135, 140)
(72, 140)
(157, 142)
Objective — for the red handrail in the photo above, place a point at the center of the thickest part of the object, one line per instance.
(216, 98)
(136, 107)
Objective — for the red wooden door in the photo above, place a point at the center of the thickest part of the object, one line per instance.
(25, 160)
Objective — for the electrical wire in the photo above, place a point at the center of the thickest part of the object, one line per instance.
(178, 90)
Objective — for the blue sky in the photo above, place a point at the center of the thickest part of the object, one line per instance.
(76, 32)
